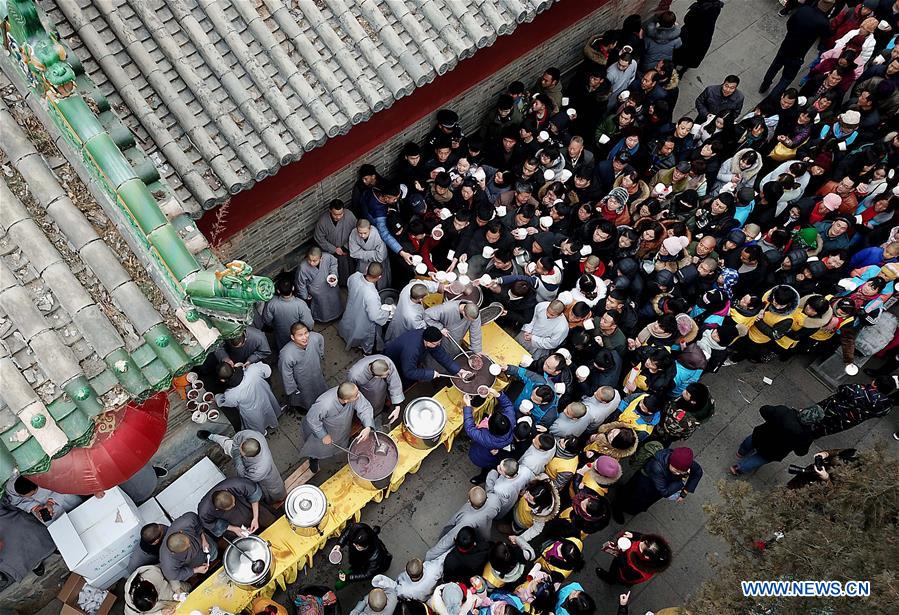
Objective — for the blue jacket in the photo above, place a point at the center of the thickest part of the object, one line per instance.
(376, 212)
(664, 481)
(683, 377)
(563, 594)
(545, 414)
(408, 352)
(482, 441)
(869, 256)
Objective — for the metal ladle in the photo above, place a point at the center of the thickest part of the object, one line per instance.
(363, 459)
(454, 377)
(256, 565)
(459, 346)
(381, 448)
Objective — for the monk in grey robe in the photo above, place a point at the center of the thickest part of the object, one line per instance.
(187, 549)
(363, 318)
(251, 346)
(26, 544)
(331, 419)
(233, 506)
(250, 393)
(253, 460)
(417, 581)
(455, 319)
(477, 513)
(366, 247)
(316, 282)
(546, 331)
(376, 376)
(410, 311)
(381, 600)
(285, 309)
(506, 482)
(332, 234)
(300, 364)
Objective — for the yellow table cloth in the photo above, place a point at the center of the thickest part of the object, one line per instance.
(346, 498)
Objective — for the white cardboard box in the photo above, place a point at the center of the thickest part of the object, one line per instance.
(98, 534)
(151, 512)
(185, 493)
(108, 577)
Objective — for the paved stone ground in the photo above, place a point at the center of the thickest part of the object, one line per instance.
(746, 39)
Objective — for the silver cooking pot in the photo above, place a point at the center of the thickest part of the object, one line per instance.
(239, 568)
(424, 420)
(307, 510)
(370, 469)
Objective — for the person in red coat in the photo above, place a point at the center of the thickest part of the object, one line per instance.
(638, 558)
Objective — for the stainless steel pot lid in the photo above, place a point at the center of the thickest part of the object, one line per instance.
(239, 568)
(425, 417)
(306, 505)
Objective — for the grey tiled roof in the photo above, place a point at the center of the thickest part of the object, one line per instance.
(223, 93)
(75, 303)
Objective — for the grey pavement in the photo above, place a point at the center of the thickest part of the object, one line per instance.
(746, 39)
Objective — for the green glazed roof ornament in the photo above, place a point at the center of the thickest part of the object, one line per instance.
(233, 290)
(37, 50)
(38, 421)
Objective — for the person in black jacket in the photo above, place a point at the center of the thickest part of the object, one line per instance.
(696, 34)
(782, 433)
(467, 557)
(804, 27)
(366, 554)
(670, 473)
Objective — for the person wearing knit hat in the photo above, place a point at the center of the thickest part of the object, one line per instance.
(686, 328)
(595, 478)
(613, 207)
(671, 473)
(408, 353)
(674, 245)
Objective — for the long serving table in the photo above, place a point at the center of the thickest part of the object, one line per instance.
(346, 498)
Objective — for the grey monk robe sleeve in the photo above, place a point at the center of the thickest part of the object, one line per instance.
(365, 412)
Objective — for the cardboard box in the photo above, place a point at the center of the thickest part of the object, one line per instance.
(108, 577)
(97, 534)
(151, 512)
(185, 493)
(68, 595)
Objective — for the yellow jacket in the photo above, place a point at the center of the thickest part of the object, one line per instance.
(775, 322)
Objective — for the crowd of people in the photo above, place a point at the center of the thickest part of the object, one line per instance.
(630, 251)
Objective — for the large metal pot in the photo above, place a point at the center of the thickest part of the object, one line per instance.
(307, 510)
(482, 375)
(424, 420)
(373, 470)
(239, 568)
(465, 292)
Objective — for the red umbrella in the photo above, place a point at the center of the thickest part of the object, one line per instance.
(124, 441)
